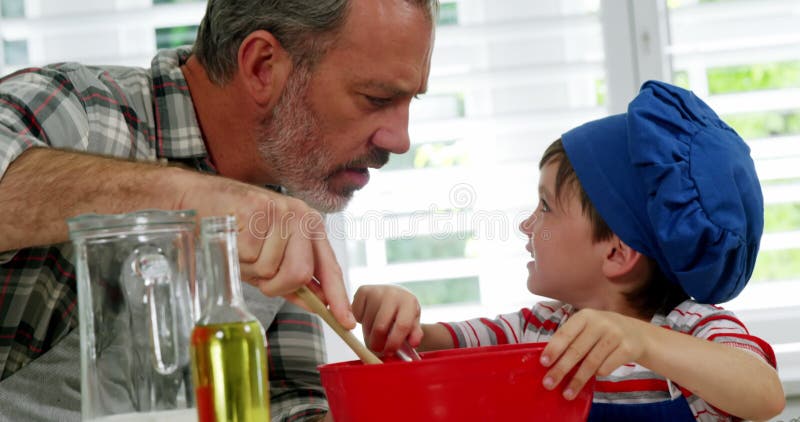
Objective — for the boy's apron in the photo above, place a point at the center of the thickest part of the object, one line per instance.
(675, 410)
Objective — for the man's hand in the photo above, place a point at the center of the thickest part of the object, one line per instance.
(389, 315)
(282, 241)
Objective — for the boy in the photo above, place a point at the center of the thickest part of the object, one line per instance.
(645, 220)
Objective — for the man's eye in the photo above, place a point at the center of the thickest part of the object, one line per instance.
(378, 101)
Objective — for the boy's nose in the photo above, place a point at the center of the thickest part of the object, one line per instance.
(526, 226)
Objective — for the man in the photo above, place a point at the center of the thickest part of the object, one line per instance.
(306, 95)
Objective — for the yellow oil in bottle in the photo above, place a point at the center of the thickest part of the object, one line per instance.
(229, 365)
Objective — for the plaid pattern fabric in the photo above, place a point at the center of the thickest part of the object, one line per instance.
(630, 383)
(141, 114)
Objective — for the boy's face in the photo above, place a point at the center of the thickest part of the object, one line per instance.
(566, 262)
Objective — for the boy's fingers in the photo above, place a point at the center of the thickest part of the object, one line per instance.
(360, 303)
(416, 336)
(561, 340)
(599, 354)
(404, 322)
(381, 326)
(573, 354)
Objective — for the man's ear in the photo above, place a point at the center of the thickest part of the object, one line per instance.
(621, 261)
(263, 66)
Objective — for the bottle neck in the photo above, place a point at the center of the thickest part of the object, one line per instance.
(221, 259)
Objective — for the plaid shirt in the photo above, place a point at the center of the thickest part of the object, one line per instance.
(140, 114)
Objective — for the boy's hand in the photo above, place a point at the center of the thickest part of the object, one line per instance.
(603, 340)
(389, 315)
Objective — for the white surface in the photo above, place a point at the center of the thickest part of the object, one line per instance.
(183, 415)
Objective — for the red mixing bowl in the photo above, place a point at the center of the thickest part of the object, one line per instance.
(494, 383)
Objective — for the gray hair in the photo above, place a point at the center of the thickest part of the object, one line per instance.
(305, 28)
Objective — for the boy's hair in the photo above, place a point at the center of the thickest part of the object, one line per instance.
(658, 294)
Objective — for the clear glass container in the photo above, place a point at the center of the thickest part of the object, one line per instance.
(136, 279)
(228, 348)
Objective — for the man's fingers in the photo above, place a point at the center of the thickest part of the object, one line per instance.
(261, 232)
(329, 274)
(268, 263)
(262, 243)
(293, 298)
(295, 271)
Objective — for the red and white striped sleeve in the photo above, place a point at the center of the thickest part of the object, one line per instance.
(524, 326)
(716, 324)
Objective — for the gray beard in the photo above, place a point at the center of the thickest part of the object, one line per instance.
(291, 143)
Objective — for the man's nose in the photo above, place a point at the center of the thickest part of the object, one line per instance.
(392, 135)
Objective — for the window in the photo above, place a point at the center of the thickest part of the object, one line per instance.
(741, 56)
(15, 53)
(109, 32)
(12, 8)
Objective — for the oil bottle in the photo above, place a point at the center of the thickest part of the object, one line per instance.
(228, 347)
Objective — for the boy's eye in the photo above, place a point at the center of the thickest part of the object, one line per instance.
(543, 204)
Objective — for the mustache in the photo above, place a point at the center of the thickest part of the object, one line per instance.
(377, 157)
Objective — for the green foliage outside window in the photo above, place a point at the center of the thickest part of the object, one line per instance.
(753, 77)
(681, 79)
(12, 8)
(777, 265)
(765, 124)
(448, 14)
(445, 292)
(431, 247)
(175, 36)
(444, 154)
(600, 92)
(782, 217)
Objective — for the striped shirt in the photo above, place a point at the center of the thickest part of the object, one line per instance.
(133, 113)
(630, 383)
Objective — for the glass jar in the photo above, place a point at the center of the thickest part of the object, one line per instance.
(136, 279)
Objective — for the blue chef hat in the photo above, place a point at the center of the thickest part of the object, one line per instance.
(677, 184)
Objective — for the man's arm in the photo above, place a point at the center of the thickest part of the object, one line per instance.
(44, 187)
(281, 245)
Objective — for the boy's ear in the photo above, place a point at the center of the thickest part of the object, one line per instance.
(263, 66)
(621, 261)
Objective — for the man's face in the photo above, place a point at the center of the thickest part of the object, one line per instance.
(351, 112)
